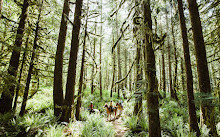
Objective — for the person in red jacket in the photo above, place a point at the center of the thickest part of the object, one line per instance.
(91, 110)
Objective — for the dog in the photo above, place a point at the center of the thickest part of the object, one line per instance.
(119, 107)
(110, 110)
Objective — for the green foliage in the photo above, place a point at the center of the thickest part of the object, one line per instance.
(96, 126)
(97, 101)
(55, 130)
(41, 101)
(136, 124)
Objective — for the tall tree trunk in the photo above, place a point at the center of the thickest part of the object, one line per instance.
(119, 69)
(193, 124)
(182, 74)
(126, 58)
(30, 71)
(113, 68)
(7, 96)
(107, 76)
(138, 91)
(93, 66)
(58, 69)
(21, 70)
(176, 63)
(130, 76)
(150, 74)
(70, 85)
(202, 68)
(169, 61)
(78, 105)
(100, 57)
(163, 73)
(1, 5)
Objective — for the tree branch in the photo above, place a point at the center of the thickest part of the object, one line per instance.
(122, 34)
(117, 82)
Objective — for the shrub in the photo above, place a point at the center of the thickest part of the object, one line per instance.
(96, 126)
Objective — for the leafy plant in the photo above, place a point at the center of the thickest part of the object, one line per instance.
(96, 126)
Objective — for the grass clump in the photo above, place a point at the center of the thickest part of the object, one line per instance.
(96, 126)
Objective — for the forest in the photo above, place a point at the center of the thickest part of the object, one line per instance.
(109, 68)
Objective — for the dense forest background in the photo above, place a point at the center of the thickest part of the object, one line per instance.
(159, 58)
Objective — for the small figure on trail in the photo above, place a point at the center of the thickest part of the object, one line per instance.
(91, 110)
(111, 106)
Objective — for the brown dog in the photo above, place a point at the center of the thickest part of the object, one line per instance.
(110, 110)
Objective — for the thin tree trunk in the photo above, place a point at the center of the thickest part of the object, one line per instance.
(176, 62)
(93, 66)
(113, 68)
(163, 70)
(150, 74)
(163, 73)
(138, 91)
(78, 105)
(119, 69)
(70, 85)
(182, 74)
(1, 5)
(58, 69)
(169, 62)
(193, 124)
(7, 96)
(126, 58)
(19, 79)
(100, 57)
(30, 71)
(202, 68)
(130, 76)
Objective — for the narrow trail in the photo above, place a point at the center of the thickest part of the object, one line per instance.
(119, 127)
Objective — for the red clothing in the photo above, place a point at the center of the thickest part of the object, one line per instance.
(91, 106)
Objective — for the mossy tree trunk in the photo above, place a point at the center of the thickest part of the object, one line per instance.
(193, 124)
(202, 68)
(20, 74)
(78, 105)
(58, 69)
(150, 74)
(71, 76)
(7, 96)
(31, 67)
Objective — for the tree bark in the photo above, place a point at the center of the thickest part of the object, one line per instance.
(19, 79)
(113, 67)
(7, 96)
(126, 58)
(150, 74)
(169, 62)
(182, 74)
(93, 66)
(30, 71)
(1, 5)
(193, 124)
(78, 105)
(138, 91)
(70, 85)
(58, 69)
(202, 68)
(119, 69)
(163, 73)
(100, 57)
(176, 63)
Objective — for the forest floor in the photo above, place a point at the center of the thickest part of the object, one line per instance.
(119, 127)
